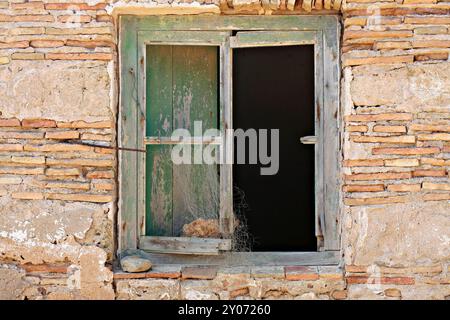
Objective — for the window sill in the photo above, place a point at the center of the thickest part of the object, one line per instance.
(288, 273)
(279, 265)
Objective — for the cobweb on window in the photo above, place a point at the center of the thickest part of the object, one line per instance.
(201, 204)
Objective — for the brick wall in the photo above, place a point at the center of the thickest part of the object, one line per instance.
(51, 31)
(58, 89)
(37, 158)
(396, 115)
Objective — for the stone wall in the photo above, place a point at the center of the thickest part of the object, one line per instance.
(396, 108)
(58, 84)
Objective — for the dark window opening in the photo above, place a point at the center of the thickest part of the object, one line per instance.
(273, 88)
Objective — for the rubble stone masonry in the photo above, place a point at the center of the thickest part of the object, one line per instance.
(59, 98)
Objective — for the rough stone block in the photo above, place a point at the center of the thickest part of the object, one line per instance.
(409, 88)
(148, 289)
(59, 90)
(398, 234)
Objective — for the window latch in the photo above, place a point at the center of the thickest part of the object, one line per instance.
(308, 139)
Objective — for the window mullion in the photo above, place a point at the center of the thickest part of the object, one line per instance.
(226, 148)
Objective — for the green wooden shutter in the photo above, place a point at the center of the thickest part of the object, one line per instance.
(182, 80)
(182, 86)
(159, 122)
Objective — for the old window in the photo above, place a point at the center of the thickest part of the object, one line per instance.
(185, 72)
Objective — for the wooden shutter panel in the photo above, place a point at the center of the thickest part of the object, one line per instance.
(182, 86)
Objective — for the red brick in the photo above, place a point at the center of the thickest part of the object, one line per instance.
(381, 280)
(147, 275)
(378, 60)
(103, 186)
(382, 45)
(12, 122)
(96, 137)
(444, 20)
(80, 162)
(406, 151)
(389, 139)
(374, 201)
(46, 43)
(61, 135)
(47, 268)
(434, 137)
(379, 176)
(104, 18)
(74, 6)
(355, 269)
(431, 56)
(21, 171)
(394, 129)
(435, 162)
(363, 188)
(398, 11)
(100, 175)
(355, 34)
(429, 173)
(104, 150)
(77, 31)
(32, 18)
(27, 56)
(58, 147)
(11, 147)
(91, 44)
(67, 185)
(402, 162)
(379, 117)
(404, 187)
(38, 123)
(428, 127)
(28, 195)
(98, 198)
(431, 44)
(357, 128)
(79, 56)
(5, 18)
(35, 5)
(301, 273)
(364, 163)
(84, 125)
(362, 46)
(62, 172)
(436, 186)
(357, 21)
(14, 45)
(436, 196)
(74, 18)
(239, 292)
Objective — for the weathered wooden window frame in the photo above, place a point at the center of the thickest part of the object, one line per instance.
(321, 31)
